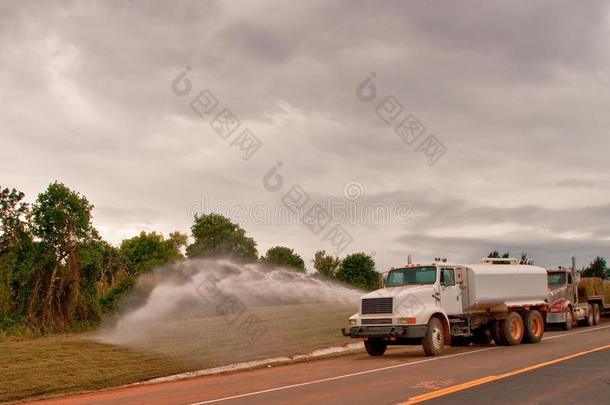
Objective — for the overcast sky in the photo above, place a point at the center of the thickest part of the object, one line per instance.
(517, 94)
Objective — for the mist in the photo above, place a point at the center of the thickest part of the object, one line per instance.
(213, 312)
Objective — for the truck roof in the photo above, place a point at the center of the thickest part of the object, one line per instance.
(508, 268)
(482, 267)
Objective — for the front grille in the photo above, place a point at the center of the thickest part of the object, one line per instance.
(377, 305)
(384, 321)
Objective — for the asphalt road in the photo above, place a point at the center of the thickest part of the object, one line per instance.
(581, 380)
(564, 367)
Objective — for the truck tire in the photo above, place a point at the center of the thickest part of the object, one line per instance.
(375, 347)
(588, 320)
(511, 329)
(482, 336)
(567, 325)
(596, 313)
(434, 341)
(534, 327)
(495, 333)
(460, 340)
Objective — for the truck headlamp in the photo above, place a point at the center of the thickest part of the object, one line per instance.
(351, 322)
(406, 321)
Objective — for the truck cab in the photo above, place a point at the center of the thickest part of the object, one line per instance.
(564, 306)
(400, 311)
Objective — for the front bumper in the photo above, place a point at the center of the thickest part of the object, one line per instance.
(556, 317)
(407, 331)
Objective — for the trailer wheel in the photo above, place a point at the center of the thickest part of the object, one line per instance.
(534, 327)
(511, 329)
(495, 333)
(567, 325)
(434, 341)
(482, 336)
(375, 347)
(588, 320)
(596, 313)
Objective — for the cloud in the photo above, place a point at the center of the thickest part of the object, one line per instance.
(516, 92)
(573, 183)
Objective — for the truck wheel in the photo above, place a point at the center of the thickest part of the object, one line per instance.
(375, 347)
(534, 327)
(482, 336)
(588, 320)
(596, 313)
(460, 340)
(495, 333)
(567, 325)
(511, 329)
(434, 341)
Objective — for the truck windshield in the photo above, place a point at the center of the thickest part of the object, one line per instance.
(556, 278)
(411, 275)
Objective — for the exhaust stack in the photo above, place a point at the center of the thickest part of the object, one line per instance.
(574, 264)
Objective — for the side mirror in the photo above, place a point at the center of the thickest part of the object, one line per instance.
(382, 279)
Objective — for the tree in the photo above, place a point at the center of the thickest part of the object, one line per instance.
(283, 256)
(525, 260)
(495, 254)
(216, 236)
(15, 237)
(14, 217)
(147, 250)
(56, 273)
(101, 265)
(358, 269)
(597, 268)
(62, 221)
(326, 265)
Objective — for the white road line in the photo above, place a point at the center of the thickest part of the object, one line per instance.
(339, 377)
(576, 332)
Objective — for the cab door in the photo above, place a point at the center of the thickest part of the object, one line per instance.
(450, 292)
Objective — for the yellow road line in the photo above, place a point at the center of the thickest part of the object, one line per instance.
(485, 380)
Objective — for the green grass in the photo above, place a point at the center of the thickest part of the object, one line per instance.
(62, 364)
(50, 366)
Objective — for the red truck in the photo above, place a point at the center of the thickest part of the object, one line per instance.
(565, 305)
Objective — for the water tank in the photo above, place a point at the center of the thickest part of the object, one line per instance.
(496, 286)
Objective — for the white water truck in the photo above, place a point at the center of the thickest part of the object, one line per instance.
(440, 304)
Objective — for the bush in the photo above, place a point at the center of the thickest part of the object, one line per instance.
(283, 256)
(359, 270)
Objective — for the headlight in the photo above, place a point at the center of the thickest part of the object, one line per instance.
(406, 321)
(351, 322)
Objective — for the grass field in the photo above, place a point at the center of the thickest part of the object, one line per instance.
(49, 366)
